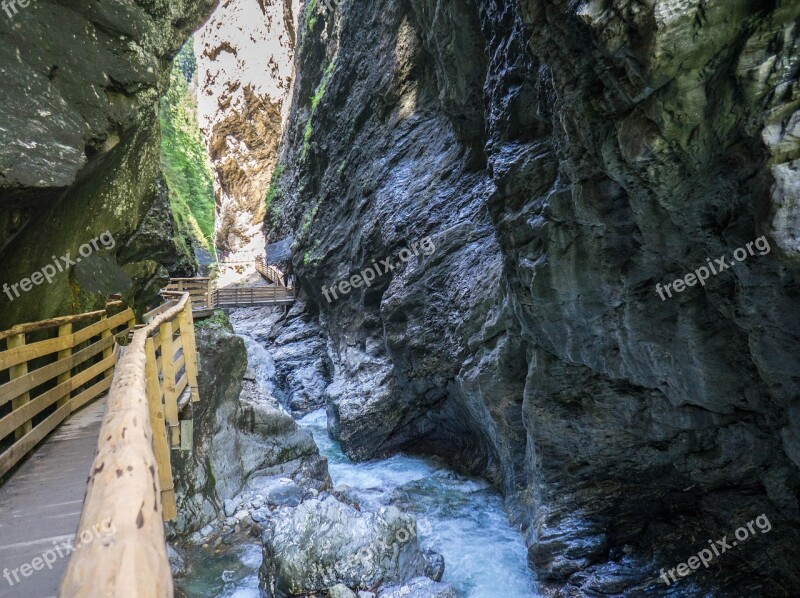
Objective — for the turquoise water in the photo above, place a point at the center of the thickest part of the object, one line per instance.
(462, 518)
(459, 517)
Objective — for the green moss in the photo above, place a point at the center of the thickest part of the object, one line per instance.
(184, 157)
(316, 98)
(308, 260)
(274, 194)
(311, 15)
(309, 220)
(218, 320)
(307, 137)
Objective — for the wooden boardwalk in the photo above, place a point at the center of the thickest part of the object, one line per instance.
(205, 298)
(41, 503)
(105, 472)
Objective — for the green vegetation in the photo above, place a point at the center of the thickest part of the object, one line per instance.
(184, 158)
(218, 320)
(274, 194)
(311, 15)
(315, 100)
(308, 221)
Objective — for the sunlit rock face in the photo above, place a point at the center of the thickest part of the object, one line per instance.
(566, 157)
(245, 57)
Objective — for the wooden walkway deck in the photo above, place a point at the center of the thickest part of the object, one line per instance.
(205, 298)
(41, 503)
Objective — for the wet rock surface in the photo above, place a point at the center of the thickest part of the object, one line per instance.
(297, 367)
(565, 159)
(324, 542)
(421, 587)
(249, 455)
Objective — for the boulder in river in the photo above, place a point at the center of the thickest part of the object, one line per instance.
(325, 542)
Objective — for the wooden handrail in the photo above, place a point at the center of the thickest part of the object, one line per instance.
(200, 290)
(130, 484)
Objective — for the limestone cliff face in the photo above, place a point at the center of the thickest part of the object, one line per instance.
(566, 158)
(79, 143)
(245, 58)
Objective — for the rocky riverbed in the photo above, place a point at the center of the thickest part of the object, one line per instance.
(302, 518)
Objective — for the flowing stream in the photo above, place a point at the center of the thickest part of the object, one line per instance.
(462, 518)
(459, 517)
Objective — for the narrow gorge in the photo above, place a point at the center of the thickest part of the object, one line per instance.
(503, 296)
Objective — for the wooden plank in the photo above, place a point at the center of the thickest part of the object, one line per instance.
(60, 368)
(84, 334)
(177, 347)
(65, 388)
(190, 351)
(31, 409)
(152, 315)
(180, 363)
(187, 434)
(124, 488)
(51, 323)
(18, 355)
(181, 386)
(189, 279)
(15, 356)
(108, 352)
(25, 444)
(98, 368)
(168, 373)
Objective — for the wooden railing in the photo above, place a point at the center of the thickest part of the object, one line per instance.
(270, 272)
(200, 290)
(50, 369)
(251, 296)
(130, 484)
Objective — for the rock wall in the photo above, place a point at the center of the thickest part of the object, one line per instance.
(79, 145)
(565, 158)
(245, 59)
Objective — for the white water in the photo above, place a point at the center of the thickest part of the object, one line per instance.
(461, 518)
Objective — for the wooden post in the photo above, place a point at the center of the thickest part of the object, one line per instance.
(64, 330)
(209, 295)
(107, 352)
(160, 444)
(168, 374)
(17, 371)
(186, 322)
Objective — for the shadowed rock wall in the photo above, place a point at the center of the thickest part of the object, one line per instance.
(565, 159)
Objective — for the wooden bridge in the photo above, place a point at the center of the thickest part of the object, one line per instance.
(48, 372)
(206, 298)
